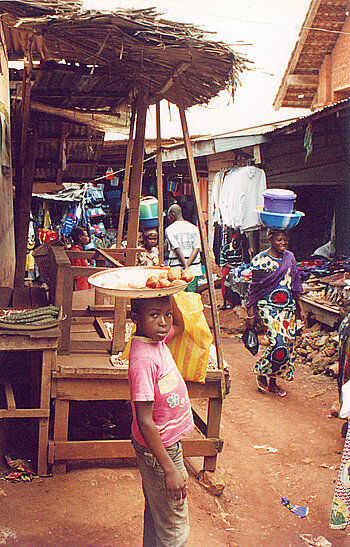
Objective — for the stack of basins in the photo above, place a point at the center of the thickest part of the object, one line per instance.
(278, 211)
(148, 212)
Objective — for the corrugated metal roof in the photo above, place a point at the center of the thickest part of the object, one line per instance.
(207, 145)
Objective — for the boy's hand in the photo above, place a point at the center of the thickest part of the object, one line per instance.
(175, 485)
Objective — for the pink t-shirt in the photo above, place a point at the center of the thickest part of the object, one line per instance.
(154, 376)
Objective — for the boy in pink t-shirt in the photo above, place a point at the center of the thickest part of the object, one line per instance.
(161, 417)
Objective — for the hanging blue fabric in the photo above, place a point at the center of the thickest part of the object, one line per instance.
(69, 222)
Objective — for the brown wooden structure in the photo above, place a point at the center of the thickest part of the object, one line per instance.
(40, 347)
(114, 63)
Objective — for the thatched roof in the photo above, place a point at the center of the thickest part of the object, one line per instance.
(109, 54)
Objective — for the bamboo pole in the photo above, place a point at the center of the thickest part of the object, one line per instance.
(126, 177)
(202, 229)
(160, 186)
(136, 174)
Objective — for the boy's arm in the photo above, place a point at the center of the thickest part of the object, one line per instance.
(174, 481)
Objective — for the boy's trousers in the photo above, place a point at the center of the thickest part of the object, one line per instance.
(165, 519)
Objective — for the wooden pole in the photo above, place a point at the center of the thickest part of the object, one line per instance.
(23, 204)
(136, 174)
(202, 229)
(160, 187)
(126, 178)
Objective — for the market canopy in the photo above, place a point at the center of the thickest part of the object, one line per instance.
(90, 60)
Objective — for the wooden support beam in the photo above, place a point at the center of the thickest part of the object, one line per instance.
(110, 259)
(160, 186)
(171, 81)
(202, 229)
(10, 398)
(303, 80)
(25, 114)
(97, 120)
(23, 203)
(118, 341)
(87, 450)
(137, 172)
(126, 180)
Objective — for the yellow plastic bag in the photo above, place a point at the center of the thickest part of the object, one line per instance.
(190, 348)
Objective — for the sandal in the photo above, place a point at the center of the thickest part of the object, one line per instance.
(278, 391)
(262, 386)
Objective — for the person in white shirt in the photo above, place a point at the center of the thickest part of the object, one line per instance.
(183, 244)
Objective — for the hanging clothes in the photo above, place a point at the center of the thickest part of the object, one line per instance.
(236, 194)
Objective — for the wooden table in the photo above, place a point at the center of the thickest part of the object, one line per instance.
(45, 342)
(330, 315)
(90, 377)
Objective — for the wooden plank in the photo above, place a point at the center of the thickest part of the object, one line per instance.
(202, 426)
(25, 113)
(23, 203)
(101, 327)
(110, 258)
(160, 186)
(213, 429)
(325, 315)
(76, 389)
(126, 180)
(10, 398)
(60, 432)
(93, 255)
(101, 449)
(25, 413)
(118, 341)
(137, 172)
(14, 343)
(202, 229)
(303, 80)
(86, 271)
(90, 345)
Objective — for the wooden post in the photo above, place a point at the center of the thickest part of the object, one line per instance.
(23, 204)
(160, 186)
(202, 229)
(126, 177)
(136, 173)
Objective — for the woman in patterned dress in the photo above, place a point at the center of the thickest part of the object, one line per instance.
(274, 298)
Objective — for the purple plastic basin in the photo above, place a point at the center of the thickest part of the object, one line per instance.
(279, 201)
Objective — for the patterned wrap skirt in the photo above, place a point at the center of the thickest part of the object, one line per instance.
(277, 314)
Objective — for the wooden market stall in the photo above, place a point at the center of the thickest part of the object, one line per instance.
(93, 68)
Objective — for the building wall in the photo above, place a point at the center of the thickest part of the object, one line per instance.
(7, 237)
(334, 74)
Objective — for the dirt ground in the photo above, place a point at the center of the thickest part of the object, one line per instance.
(101, 504)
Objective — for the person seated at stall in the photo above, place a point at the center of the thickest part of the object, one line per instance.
(234, 254)
(80, 238)
(149, 256)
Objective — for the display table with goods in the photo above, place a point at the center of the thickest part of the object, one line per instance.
(28, 355)
(327, 298)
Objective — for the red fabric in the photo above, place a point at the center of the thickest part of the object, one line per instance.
(82, 282)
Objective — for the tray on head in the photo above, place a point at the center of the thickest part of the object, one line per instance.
(130, 282)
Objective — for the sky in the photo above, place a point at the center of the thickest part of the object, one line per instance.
(265, 31)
